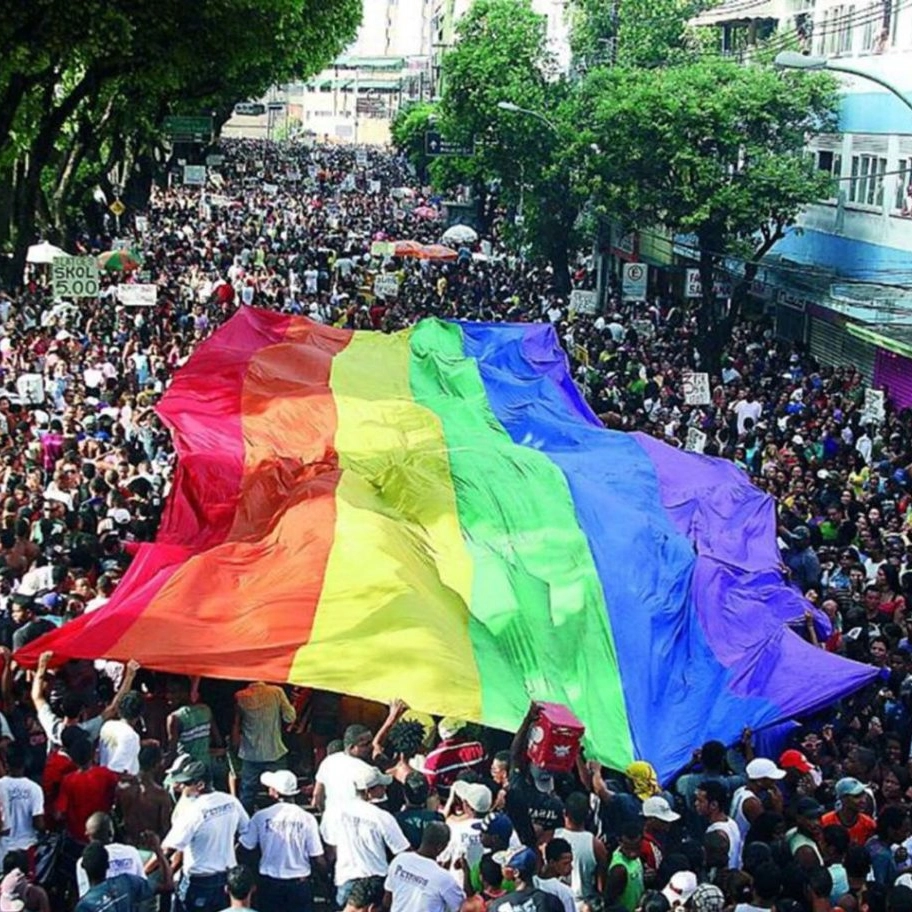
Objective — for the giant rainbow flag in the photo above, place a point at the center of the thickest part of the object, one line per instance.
(437, 515)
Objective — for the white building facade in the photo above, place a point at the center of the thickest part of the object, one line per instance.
(857, 244)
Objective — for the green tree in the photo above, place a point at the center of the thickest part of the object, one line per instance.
(641, 33)
(502, 55)
(85, 85)
(408, 131)
(712, 149)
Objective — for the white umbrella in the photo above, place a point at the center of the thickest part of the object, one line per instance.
(460, 234)
(43, 253)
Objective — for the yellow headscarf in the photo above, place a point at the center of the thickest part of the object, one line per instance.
(644, 779)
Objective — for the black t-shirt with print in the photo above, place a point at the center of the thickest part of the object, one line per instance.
(531, 900)
(527, 807)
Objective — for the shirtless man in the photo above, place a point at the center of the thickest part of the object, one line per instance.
(144, 804)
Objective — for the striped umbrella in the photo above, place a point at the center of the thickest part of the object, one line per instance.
(119, 261)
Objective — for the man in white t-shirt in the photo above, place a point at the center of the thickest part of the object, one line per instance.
(746, 407)
(205, 834)
(122, 858)
(289, 842)
(21, 804)
(416, 883)
(118, 740)
(465, 828)
(335, 779)
(557, 869)
(364, 834)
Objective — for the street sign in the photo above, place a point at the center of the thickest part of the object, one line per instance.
(696, 388)
(137, 295)
(874, 410)
(583, 302)
(188, 129)
(117, 207)
(636, 276)
(75, 277)
(696, 441)
(386, 285)
(194, 175)
(275, 106)
(694, 287)
(435, 144)
(361, 158)
(30, 388)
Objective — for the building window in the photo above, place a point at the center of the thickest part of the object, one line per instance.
(831, 163)
(828, 161)
(904, 187)
(843, 28)
(871, 28)
(867, 184)
(823, 35)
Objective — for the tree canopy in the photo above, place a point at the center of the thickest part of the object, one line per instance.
(85, 86)
(650, 130)
(502, 56)
(709, 148)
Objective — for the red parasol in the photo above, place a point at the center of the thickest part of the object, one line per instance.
(408, 248)
(438, 252)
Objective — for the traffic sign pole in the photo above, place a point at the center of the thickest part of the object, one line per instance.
(118, 208)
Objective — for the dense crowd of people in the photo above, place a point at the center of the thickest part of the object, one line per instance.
(128, 789)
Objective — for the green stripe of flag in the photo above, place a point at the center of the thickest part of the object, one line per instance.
(539, 628)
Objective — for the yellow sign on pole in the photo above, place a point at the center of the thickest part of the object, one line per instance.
(118, 208)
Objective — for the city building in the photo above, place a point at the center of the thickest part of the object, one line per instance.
(355, 98)
(841, 282)
(445, 14)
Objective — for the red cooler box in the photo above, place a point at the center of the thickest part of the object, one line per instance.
(554, 738)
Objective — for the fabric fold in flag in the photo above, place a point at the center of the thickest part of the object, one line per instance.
(436, 515)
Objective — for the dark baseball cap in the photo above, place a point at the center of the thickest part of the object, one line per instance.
(195, 771)
(809, 807)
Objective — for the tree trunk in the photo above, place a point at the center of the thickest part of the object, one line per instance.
(139, 183)
(559, 258)
(742, 289)
(710, 338)
(39, 154)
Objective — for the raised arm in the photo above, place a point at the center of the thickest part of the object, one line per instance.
(38, 698)
(397, 708)
(519, 758)
(110, 711)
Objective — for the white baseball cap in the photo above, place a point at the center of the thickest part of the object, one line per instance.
(680, 888)
(285, 782)
(475, 795)
(660, 809)
(761, 768)
(370, 776)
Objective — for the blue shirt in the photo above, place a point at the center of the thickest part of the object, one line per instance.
(121, 893)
